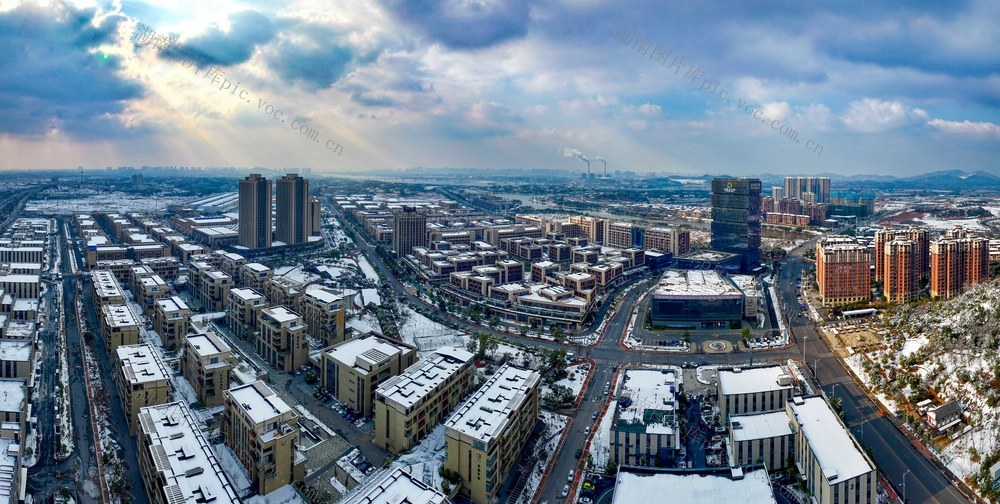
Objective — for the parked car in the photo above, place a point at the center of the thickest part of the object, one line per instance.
(579, 452)
(565, 491)
(572, 473)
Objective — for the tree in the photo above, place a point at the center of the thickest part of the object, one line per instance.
(494, 322)
(745, 333)
(611, 469)
(557, 333)
(483, 345)
(687, 336)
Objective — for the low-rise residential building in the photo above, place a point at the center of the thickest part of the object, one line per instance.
(719, 486)
(353, 369)
(645, 430)
(944, 416)
(142, 380)
(753, 390)
(835, 467)
(119, 327)
(323, 312)
(242, 312)
(395, 486)
(171, 320)
(281, 339)
(262, 430)
(215, 286)
(206, 363)
(486, 433)
(150, 290)
(16, 358)
(107, 290)
(410, 405)
(255, 276)
(175, 459)
(761, 438)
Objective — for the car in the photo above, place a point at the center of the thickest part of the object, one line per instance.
(584, 500)
(565, 491)
(587, 485)
(579, 452)
(594, 416)
(570, 476)
(587, 430)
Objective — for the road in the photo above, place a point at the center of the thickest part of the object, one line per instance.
(892, 451)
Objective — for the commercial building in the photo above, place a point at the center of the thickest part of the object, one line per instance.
(696, 299)
(262, 430)
(353, 370)
(668, 239)
(242, 312)
(281, 340)
(753, 390)
(645, 430)
(292, 210)
(717, 486)
(761, 438)
(409, 229)
(255, 212)
(175, 459)
(119, 327)
(835, 467)
(958, 261)
(206, 363)
(900, 283)
(171, 320)
(843, 271)
(736, 219)
(486, 433)
(410, 405)
(142, 380)
(395, 486)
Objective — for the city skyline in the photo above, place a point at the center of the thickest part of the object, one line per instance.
(512, 85)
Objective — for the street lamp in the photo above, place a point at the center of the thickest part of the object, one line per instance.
(834, 391)
(904, 484)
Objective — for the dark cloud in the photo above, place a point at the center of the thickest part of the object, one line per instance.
(248, 29)
(53, 77)
(314, 55)
(472, 24)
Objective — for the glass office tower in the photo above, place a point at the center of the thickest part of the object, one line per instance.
(736, 219)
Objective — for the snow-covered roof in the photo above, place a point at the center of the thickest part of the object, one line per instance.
(182, 456)
(760, 425)
(486, 414)
(831, 444)
(751, 380)
(323, 294)
(368, 349)
(395, 486)
(246, 293)
(694, 283)
(172, 304)
(9, 450)
(718, 487)
(119, 316)
(141, 364)
(258, 267)
(280, 314)
(258, 402)
(206, 345)
(23, 304)
(15, 350)
(653, 409)
(13, 392)
(426, 375)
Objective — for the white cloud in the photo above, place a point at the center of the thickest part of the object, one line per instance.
(776, 110)
(967, 127)
(871, 115)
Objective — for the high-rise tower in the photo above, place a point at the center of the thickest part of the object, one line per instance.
(255, 212)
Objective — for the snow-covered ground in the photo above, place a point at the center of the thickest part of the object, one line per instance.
(600, 441)
(231, 466)
(428, 335)
(88, 200)
(426, 458)
(284, 495)
(970, 224)
(575, 380)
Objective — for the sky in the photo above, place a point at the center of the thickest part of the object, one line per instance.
(356, 85)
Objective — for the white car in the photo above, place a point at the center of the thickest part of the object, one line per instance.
(570, 476)
(587, 430)
(565, 491)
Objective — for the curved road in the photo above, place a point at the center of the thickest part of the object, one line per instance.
(893, 453)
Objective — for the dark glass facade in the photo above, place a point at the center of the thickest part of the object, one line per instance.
(696, 313)
(736, 219)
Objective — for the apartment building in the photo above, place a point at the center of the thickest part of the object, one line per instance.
(668, 239)
(901, 280)
(171, 320)
(255, 276)
(175, 459)
(645, 430)
(761, 438)
(619, 234)
(395, 486)
(214, 290)
(262, 430)
(242, 312)
(753, 390)
(206, 363)
(843, 271)
(142, 380)
(921, 249)
(281, 339)
(835, 467)
(14, 411)
(410, 405)
(16, 358)
(486, 433)
(323, 312)
(119, 327)
(107, 290)
(353, 370)
(958, 261)
(150, 290)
